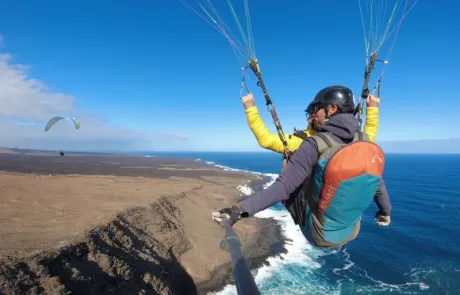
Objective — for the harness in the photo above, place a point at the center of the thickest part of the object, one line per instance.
(303, 197)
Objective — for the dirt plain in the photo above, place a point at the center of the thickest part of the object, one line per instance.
(111, 224)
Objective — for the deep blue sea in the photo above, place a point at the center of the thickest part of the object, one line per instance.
(419, 253)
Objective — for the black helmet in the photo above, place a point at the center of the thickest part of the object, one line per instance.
(339, 95)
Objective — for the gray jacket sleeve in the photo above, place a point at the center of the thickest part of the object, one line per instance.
(382, 199)
(296, 172)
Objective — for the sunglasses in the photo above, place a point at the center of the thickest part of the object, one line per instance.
(313, 109)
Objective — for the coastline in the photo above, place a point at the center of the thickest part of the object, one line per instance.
(175, 225)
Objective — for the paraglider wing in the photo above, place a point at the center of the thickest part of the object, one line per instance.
(53, 121)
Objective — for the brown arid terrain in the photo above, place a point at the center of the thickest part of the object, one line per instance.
(110, 224)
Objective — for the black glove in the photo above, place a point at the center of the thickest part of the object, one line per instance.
(232, 214)
(382, 218)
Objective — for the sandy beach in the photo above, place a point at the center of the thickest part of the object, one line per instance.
(111, 224)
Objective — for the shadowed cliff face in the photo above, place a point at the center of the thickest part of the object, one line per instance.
(137, 253)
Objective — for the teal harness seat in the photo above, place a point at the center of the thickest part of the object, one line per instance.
(329, 205)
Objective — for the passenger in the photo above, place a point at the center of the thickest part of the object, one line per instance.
(272, 141)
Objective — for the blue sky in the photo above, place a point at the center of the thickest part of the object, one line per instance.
(154, 73)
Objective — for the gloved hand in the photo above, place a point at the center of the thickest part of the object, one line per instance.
(232, 214)
(382, 219)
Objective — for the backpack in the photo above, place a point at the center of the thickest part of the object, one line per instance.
(328, 207)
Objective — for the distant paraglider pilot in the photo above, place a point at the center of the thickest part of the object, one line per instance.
(53, 121)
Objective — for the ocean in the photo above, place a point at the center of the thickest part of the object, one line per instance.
(419, 253)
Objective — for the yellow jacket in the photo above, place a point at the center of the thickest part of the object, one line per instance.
(273, 142)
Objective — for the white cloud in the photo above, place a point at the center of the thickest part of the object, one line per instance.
(27, 99)
(26, 104)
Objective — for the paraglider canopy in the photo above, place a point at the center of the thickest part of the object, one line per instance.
(53, 121)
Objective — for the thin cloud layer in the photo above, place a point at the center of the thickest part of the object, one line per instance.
(26, 104)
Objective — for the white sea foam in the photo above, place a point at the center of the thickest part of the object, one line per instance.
(245, 189)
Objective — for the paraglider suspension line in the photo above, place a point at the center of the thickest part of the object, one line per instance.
(244, 85)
